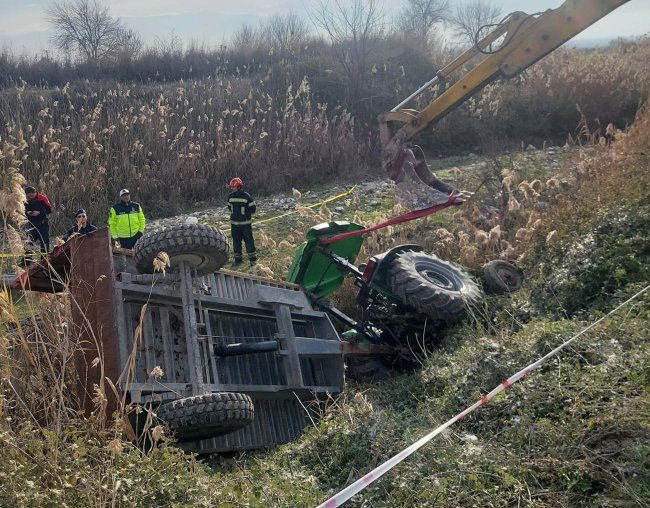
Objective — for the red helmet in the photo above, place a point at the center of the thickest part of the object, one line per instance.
(236, 183)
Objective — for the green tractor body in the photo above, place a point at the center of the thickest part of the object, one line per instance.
(321, 269)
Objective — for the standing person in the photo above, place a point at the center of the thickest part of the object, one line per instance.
(242, 207)
(126, 220)
(82, 226)
(37, 208)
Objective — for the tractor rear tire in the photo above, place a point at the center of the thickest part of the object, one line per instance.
(433, 287)
(209, 415)
(502, 277)
(205, 248)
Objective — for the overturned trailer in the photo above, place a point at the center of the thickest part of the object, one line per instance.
(242, 357)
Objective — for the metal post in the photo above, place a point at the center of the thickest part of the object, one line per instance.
(191, 332)
(432, 81)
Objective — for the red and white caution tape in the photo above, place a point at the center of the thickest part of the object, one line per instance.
(350, 491)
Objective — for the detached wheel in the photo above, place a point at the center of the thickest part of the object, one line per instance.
(502, 277)
(433, 287)
(209, 415)
(203, 247)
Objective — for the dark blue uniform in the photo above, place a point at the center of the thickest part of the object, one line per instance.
(242, 207)
(88, 228)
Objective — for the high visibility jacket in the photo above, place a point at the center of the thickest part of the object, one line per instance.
(126, 220)
(242, 207)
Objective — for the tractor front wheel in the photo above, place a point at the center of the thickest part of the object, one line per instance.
(433, 287)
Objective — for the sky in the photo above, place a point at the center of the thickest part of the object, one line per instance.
(24, 30)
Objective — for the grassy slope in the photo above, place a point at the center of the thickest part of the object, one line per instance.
(575, 433)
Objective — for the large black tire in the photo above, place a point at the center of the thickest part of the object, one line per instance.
(204, 247)
(209, 415)
(433, 287)
(502, 277)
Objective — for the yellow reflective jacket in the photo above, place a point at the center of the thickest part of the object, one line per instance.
(126, 220)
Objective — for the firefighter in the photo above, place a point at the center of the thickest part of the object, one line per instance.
(242, 207)
(126, 221)
(37, 208)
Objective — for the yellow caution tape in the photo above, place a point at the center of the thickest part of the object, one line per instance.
(328, 200)
(291, 212)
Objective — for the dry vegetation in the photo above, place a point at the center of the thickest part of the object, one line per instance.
(170, 145)
(175, 144)
(579, 434)
(573, 435)
(576, 433)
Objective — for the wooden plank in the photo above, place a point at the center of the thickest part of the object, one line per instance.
(123, 334)
(213, 284)
(95, 308)
(213, 360)
(191, 335)
(168, 345)
(147, 339)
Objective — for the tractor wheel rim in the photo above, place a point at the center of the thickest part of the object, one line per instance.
(438, 279)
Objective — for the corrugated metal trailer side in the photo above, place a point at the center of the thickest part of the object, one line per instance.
(231, 309)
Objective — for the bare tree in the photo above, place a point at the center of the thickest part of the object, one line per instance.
(418, 18)
(128, 44)
(286, 33)
(470, 16)
(85, 27)
(354, 29)
(246, 37)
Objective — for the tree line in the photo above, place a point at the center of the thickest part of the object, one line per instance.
(341, 45)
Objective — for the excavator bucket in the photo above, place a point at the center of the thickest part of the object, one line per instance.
(416, 187)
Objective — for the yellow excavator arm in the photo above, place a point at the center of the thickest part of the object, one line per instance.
(522, 40)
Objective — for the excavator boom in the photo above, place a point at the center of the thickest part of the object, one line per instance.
(523, 40)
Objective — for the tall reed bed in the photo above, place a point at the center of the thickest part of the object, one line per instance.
(175, 144)
(170, 145)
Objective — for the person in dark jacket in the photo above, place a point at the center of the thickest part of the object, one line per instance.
(242, 207)
(82, 227)
(126, 220)
(37, 208)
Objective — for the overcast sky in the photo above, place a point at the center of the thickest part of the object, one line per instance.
(23, 28)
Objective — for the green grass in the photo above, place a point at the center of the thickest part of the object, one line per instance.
(574, 433)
